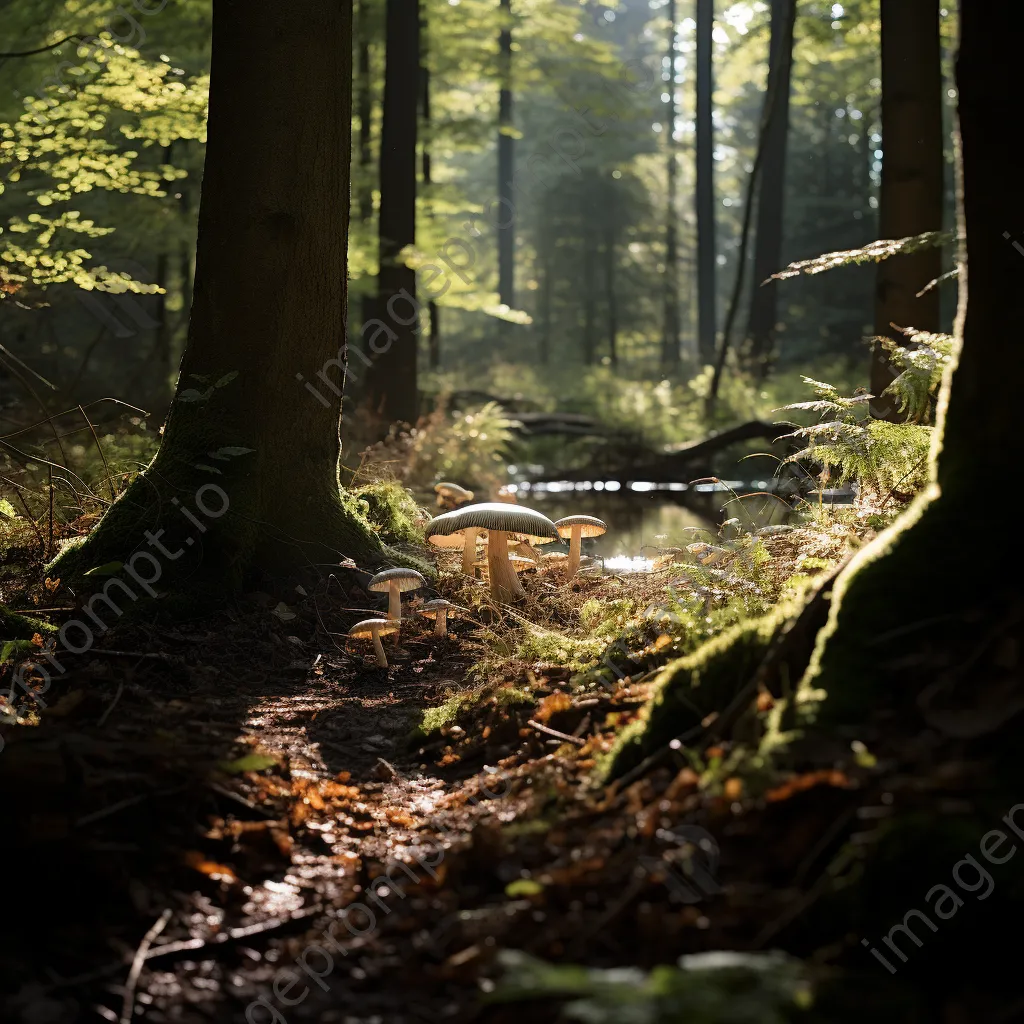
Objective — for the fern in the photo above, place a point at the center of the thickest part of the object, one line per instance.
(873, 252)
(923, 366)
(885, 458)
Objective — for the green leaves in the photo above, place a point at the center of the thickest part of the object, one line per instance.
(248, 763)
(107, 569)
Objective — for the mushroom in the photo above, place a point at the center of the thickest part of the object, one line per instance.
(464, 540)
(439, 610)
(575, 528)
(520, 563)
(395, 581)
(498, 519)
(374, 629)
(449, 493)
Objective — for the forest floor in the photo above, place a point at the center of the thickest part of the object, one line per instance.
(237, 819)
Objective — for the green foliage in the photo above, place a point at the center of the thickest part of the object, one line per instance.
(873, 252)
(883, 457)
(391, 511)
(706, 988)
(922, 367)
(87, 130)
(437, 718)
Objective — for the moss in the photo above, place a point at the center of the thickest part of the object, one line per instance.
(919, 587)
(690, 688)
(390, 511)
(449, 713)
(21, 627)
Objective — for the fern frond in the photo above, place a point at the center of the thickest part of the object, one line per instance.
(873, 252)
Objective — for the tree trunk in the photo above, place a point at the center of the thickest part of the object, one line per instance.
(910, 200)
(954, 607)
(364, 111)
(392, 382)
(670, 335)
(506, 164)
(610, 264)
(247, 453)
(705, 192)
(546, 254)
(589, 299)
(434, 313)
(771, 192)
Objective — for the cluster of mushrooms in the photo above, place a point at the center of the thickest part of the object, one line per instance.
(508, 533)
(396, 582)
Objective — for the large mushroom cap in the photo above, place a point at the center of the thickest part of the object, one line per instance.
(493, 515)
(449, 541)
(590, 527)
(431, 608)
(366, 629)
(405, 579)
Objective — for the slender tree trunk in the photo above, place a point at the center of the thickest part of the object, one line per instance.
(269, 305)
(364, 112)
(547, 261)
(610, 262)
(771, 192)
(162, 346)
(434, 313)
(705, 192)
(393, 388)
(589, 299)
(506, 163)
(912, 177)
(670, 334)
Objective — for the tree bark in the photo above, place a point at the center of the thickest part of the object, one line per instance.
(771, 193)
(269, 303)
(392, 382)
(705, 191)
(951, 605)
(910, 200)
(433, 311)
(670, 335)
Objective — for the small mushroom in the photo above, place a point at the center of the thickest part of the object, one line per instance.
(449, 494)
(374, 629)
(575, 528)
(464, 541)
(439, 610)
(395, 582)
(499, 520)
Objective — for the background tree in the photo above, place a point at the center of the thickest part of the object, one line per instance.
(707, 297)
(911, 193)
(393, 380)
(251, 332)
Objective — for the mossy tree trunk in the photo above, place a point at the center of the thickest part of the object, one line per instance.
(953, 580)
(269, 306)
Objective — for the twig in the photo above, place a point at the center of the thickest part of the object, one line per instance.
(99, 448)
(234, 934)
(128, 1006)
(111, 705)
(555, 733)
(41, 49)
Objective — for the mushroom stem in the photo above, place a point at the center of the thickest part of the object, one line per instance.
(575, 544)
(441, 623)
(505, 585)
(394, 602)
(379, 648)
(469, 550)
